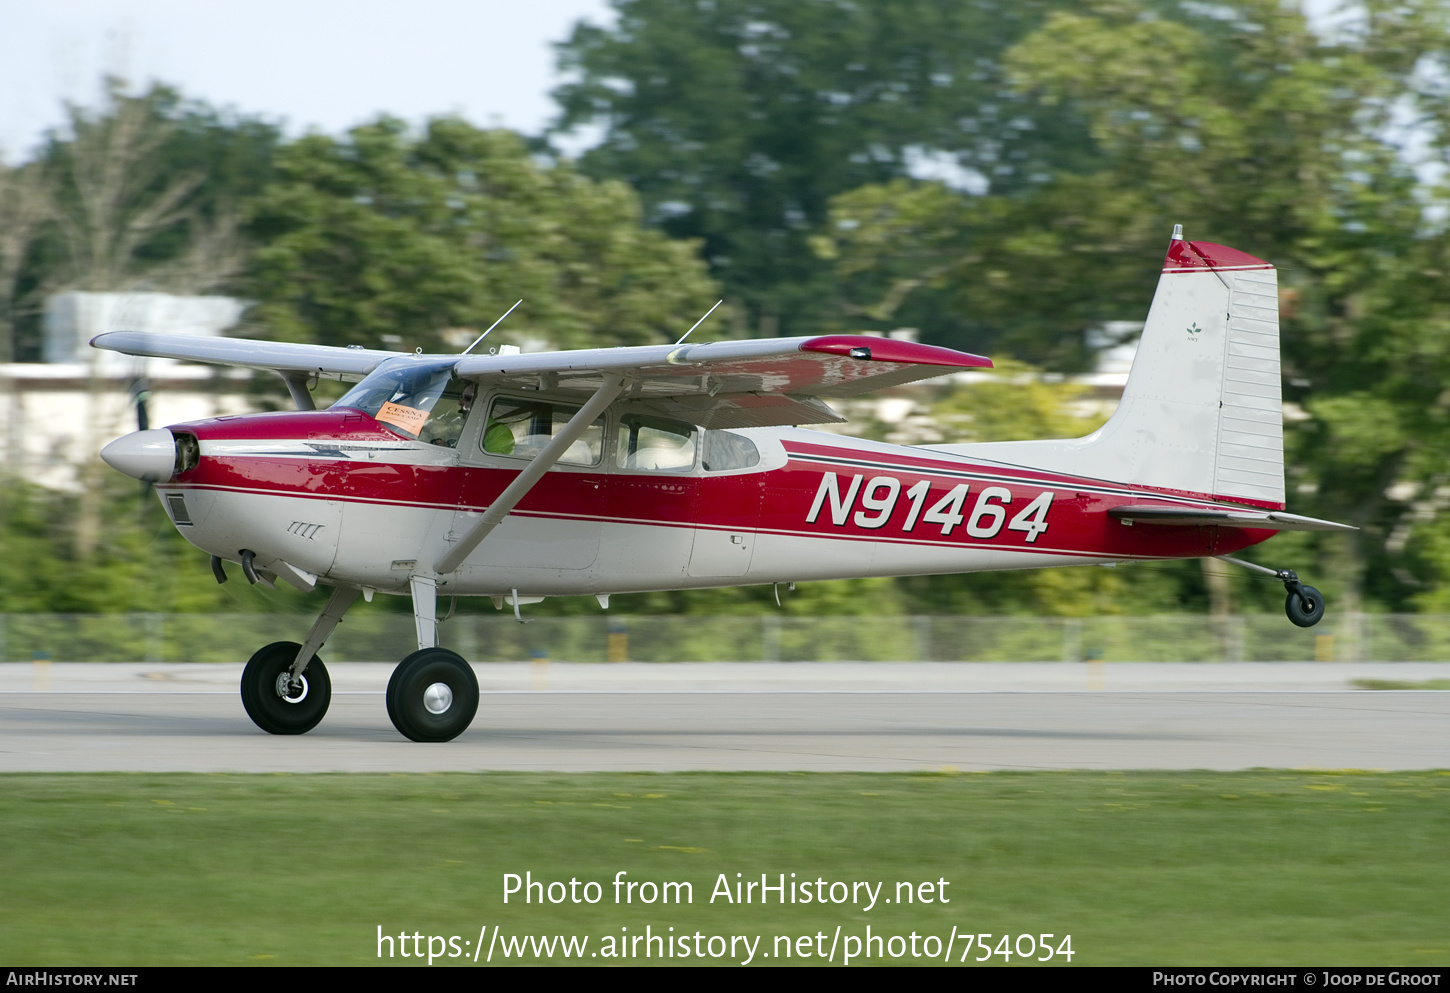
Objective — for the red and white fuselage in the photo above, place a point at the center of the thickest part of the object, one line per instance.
(336, 494)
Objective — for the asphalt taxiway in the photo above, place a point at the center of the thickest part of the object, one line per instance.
(57, 717)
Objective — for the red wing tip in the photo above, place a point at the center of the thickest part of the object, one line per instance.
(872, 349)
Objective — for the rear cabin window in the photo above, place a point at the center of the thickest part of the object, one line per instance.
(655, 443)
(724, 450)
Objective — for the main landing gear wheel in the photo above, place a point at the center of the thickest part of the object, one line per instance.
(1304, 605)
(433, 695)
(273, 703)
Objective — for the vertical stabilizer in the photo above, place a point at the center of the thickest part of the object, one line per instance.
(1201, 411)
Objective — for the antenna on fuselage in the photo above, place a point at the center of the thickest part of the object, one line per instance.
(699, 322)
(491, 327)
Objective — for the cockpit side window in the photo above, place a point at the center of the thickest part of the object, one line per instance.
(449, 415)
(523, 427)
(655, 443)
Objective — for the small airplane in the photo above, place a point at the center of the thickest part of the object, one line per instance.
(660, 467)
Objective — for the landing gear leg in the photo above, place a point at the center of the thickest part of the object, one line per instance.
(1304, 605)
(433, 694)
(277, 695)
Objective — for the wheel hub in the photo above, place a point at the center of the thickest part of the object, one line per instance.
(437, 698)
(285, 689)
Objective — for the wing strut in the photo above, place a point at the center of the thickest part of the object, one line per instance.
(297, 386)
(533, 472)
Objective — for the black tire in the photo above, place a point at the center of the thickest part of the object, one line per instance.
(433, 695)
(262, 691)
(1304, 606)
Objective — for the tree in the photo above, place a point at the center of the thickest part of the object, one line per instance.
(390, 233)
(113, 199)
(142, 190)
(1251, 129)
(25, 206)
(1023, 275)
(738, 120)
(146, 188)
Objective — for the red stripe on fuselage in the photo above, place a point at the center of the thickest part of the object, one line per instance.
(776, 501)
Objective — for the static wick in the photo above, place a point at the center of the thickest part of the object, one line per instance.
(698, 323)
(491, 327)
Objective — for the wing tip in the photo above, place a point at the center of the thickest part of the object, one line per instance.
(871, 349)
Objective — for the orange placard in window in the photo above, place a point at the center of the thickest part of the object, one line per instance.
(410, 419)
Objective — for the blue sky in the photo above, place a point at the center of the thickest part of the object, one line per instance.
(325, 64)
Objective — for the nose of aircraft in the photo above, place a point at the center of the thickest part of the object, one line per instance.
(149, 456)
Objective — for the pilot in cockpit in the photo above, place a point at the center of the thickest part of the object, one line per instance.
(450, 413)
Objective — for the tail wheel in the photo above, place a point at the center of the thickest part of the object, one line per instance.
(433, 695)
(1305, 606)
(272, 702)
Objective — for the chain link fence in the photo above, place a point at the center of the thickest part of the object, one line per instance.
(378, 636)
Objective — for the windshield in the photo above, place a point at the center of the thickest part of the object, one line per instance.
(402, 392)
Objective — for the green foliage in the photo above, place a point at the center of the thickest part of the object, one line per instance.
(25, 207)
(738, 120)
(182, 168)
(1022, 275)
(1015, 402)
(141, 563)
(386, 232)
(141, 192)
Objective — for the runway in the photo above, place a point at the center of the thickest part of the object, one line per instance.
(886, 717)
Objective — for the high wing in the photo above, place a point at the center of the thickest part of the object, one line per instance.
(729, 384)
(760, 383)
(295, 363)
(1237, 517)
(281, 357)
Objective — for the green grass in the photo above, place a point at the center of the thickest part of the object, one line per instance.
(1402, 684)
(1264, 867)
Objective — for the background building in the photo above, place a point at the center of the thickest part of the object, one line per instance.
(55, 415)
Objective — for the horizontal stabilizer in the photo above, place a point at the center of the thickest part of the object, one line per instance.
(1230, 517)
